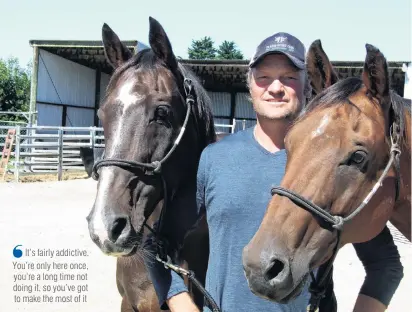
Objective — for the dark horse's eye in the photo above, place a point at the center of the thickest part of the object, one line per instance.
(359, 159)
(162, 112)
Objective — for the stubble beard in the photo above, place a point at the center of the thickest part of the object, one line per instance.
(284, 114)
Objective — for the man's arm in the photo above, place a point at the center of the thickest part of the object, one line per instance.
(384, 272)
(169, 286)
(182, 302)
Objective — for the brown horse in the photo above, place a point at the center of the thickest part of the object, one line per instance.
(342, 181)
(157, 119)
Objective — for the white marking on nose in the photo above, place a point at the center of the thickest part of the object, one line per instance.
(98, 223)
(127, 97)
(324, 122)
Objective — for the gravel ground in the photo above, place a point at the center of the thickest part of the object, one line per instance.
(50, 216)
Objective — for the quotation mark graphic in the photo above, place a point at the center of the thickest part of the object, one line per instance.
(17, 253)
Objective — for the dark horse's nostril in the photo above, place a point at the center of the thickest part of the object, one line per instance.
(117, 228)
(274, 270)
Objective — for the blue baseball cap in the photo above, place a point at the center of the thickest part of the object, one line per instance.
(282, 43)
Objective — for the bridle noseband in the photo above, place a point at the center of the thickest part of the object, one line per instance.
(335, 222)
(155, 168)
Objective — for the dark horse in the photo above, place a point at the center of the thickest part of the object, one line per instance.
(347, 174)
(157, 119)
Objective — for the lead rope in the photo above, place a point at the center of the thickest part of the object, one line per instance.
(318, 286)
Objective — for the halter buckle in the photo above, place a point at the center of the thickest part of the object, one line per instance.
(309, 309)
(157, 166)
(395, 134)
(187, 84)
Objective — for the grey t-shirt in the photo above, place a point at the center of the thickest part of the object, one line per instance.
(235, 177)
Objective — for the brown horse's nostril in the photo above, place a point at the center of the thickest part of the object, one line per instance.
(273, 270)
(117, 228)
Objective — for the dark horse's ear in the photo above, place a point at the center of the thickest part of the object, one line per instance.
(160, 44)
(116, 52)
(375, 73)
(320, 69)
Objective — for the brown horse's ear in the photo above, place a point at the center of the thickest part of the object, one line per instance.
(116, 52)
(160, 44)
(320, 70)
(375, 73)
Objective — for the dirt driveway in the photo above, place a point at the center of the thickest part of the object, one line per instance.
(49, 219)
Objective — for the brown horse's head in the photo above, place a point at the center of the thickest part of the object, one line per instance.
(337, 150)
(143, 117)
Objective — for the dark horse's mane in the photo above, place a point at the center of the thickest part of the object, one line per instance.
(339, 93)
(146, 59)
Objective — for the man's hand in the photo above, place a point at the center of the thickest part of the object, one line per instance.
(182, 303)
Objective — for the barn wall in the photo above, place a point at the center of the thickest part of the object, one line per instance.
(407, 90)
(221, 104)
(81, 117)
(64, 83)
(244, 114)
(49, 115)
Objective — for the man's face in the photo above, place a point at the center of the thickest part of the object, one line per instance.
(277, 88)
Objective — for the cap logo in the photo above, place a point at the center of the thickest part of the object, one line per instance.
(280, 39)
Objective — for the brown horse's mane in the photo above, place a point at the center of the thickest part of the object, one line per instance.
(340, 92)
(147, 60)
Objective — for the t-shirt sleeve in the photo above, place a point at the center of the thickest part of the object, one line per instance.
(202, 171)
(384, 270)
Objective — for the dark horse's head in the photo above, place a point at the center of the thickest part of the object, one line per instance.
(148, 119)
(338, 156)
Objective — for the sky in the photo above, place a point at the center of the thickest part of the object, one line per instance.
(344, 26)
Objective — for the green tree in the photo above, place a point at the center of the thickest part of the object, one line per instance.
(228, 51)
(14, 88)
(202, 49)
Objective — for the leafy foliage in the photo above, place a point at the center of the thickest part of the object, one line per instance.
(228, 51)
(203, 49)
(14, 88)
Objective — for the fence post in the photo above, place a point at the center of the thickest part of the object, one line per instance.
(93, 137)
(60, 165)
(17, 155)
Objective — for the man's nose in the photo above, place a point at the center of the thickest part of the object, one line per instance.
(276, 87)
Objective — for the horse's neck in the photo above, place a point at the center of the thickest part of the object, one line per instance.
(401, 216)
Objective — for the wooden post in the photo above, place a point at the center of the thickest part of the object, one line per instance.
(60, 165)
(17, 156)
(33, 87)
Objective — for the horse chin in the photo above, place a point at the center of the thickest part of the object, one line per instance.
(124, 253)
(116, 251)
(296, 291)
(266, 292)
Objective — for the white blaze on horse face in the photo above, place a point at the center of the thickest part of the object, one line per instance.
(99, 227)
(127, 97)
(321, 129)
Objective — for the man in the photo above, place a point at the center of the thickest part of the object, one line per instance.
(234, 179)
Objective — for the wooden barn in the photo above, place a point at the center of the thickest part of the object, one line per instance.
(70, 77)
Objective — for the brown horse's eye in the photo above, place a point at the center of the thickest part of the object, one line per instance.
(358, 157)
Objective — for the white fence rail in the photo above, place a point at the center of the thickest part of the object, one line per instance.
(49, 149)
(42, 149)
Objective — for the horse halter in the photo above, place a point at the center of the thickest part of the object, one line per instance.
(154, 168)
(335, 222)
